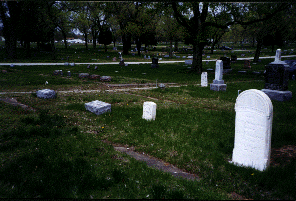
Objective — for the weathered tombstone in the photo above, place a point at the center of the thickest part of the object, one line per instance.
(88, 66)
(114, 48)
(96, 67)
(177, 56)
(83, 75)
(114, 59)
(190, 57)
(72, 64)
(149, 110)
(166, 56)
(144, 56)
(188, 62)
(204, 79)
(148, 57)
(98, 107)
(154, 62)
(253, 128)
(276, 79)
(247, 64)
(56, 72)
(105, 78)
(160, 59)
(218, 83)
(233, 58)
(66, 63)
(226, 62)
(161, 85)
(61, 72)
(208, 57)
(69, 74)
(46, 93)
(183, 57)
(94, 77)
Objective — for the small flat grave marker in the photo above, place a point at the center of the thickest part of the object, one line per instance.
(188, 62)
(253, 127)
(46, 93)
(149, 110)
(98, 107)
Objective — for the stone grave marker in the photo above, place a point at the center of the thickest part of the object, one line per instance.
(114, 59)
(247, 64)
(72, 64)
(183, 57)
(83, 75)
(226, 62)
(154, 62)
(276, 79)
(208, 57)
(144, 56)
(69, 74)
(96, 67)
(233, 58)
(204, 79)
(114, 48)
(98, 107)
(94, 77)
(46, 93)
(253, 127)
(218, 83)
(166, 56)
(188, 62)
(148, 57)
(177, 56)
(190, 57)
(105, 78)
(149, 110)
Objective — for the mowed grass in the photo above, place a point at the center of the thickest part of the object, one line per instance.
(58, 152)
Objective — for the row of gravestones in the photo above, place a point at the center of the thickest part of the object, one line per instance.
(85, 75)
(253, 125)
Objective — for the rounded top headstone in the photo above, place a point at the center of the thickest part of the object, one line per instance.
(255, 101)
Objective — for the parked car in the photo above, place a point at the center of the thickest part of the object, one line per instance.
(225, 48)
(292, 71)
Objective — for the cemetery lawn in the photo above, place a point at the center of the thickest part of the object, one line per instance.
(59, 150)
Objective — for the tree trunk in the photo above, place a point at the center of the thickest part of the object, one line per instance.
(65, 39)
(171, 49)
(197, 58)
(27, 49)
(126, 40)
(53, 50)
(176, 45)
(85, 38)
(258, 49)
(105, 46)
(138, 44)
(253, 43)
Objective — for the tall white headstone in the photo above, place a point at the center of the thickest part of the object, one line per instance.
(253, 127)
(204, 79)
(149, 110)
(218, 83)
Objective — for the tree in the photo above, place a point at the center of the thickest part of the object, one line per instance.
(197, 23)
(105, 36)
(27, 21)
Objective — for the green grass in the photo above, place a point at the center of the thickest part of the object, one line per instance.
(58, 152)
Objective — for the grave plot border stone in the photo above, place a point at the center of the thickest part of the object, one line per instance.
(253, 128)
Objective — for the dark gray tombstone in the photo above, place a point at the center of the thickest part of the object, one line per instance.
(226, 62)
(276, 79)
(233, 58)
(154, 62)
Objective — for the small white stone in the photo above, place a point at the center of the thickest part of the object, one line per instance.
(98, 107)
(149, 110)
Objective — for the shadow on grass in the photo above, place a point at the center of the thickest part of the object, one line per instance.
(48, 161)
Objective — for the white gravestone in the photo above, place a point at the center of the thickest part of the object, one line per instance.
(253, 127)
(218, 83)
(46, 93)
(149, 110)
(98, 107)
(204, 79)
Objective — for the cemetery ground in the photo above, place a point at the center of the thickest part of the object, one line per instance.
(60, 149)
